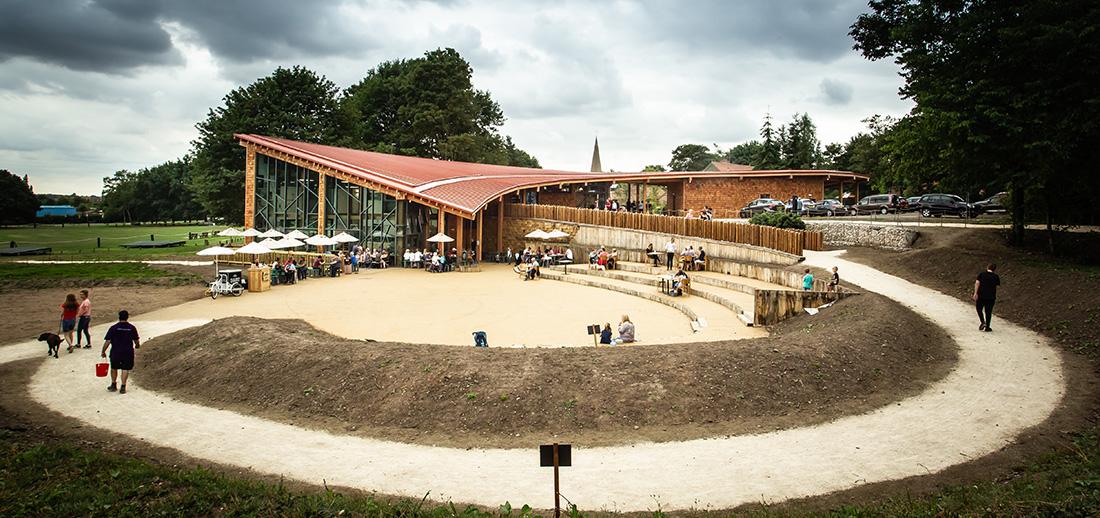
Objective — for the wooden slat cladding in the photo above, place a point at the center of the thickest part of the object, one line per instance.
(784, 240)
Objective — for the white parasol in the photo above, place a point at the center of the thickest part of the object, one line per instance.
(296, 234)
(344, 237)
(216, 251)
(230, 232)
(253, 249)
(290, 242)
(271, 243)
(556, 234)
(250, 232)
(271, 233)
(320, 240)
(538, 233)
(440, 238)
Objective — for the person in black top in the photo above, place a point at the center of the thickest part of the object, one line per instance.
(122, 338)
(605, 335)
(834, 282)
(985, 294)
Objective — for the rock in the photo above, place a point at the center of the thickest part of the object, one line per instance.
(839, 233)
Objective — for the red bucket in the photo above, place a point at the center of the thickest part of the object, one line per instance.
(101, 369)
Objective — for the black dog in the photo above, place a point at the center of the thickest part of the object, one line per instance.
(53, 341)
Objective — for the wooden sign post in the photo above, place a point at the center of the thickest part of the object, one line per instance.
(556, 455)
(594, 330)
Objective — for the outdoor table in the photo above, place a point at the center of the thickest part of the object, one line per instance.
(665, 283)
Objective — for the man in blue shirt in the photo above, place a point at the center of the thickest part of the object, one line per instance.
(122, 338)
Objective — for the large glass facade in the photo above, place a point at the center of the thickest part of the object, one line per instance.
(287, 198)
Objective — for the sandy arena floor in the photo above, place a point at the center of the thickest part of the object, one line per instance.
(403, 305)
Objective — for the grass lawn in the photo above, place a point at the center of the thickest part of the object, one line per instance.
(53, 478)
(88, 272)
(79, 241)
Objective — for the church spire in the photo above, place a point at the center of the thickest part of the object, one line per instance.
(597, 167)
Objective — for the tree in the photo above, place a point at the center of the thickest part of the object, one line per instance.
(799, 145)
(292, 103)
(769, 155)
(1005, 96)
(428, 107)
(17, 201)
(691, 157)
(654, 168)
(159, 193)
(745, 153)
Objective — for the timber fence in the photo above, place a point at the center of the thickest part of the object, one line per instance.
(785, 240)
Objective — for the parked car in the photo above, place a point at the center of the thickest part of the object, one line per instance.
(992, 205)
(913, 204)
(881, 203)
(830, 207)
(761, 205)
(939, 204)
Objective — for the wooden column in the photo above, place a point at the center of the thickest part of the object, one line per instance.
(320, 207)
(250, 186)
(480, 232)
(442, 227)
(460, 223)
(500, 225)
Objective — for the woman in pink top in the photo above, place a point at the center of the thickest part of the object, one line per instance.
(84, 319)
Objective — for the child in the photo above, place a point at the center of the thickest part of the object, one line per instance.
(834, 283)
(807, 281)
(605, 335)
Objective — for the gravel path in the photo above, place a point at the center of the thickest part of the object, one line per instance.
(1005, 382)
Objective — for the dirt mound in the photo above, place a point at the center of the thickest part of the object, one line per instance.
(865, 352)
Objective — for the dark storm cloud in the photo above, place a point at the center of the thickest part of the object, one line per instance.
(811, 30)
(835, 92)
(81, 36)
(118, 35)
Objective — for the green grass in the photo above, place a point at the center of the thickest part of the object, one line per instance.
(88, 272)
(53, 478)
(79, 241)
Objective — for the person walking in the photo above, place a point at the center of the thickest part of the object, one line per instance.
(122, 338)
(84, 320)
(68, 319)
(670, 253)
(985, 295)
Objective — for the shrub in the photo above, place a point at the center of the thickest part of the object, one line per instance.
(781, 219)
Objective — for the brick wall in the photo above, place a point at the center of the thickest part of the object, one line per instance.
(727, 195)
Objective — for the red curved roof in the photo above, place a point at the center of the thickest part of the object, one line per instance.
(467, 187)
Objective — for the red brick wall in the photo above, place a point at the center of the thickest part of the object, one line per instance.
(727, 195)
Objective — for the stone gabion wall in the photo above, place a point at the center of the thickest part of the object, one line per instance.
(859, 234)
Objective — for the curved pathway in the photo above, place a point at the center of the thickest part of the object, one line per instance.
(1005, 382)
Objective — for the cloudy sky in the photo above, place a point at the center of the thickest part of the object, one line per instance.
(88, 87)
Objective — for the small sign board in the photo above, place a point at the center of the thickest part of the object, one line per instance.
(546, 455)
(594, 329)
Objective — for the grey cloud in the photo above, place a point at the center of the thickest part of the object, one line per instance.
(836, 93)
(82, 36)
(811, 30)
(467, 41)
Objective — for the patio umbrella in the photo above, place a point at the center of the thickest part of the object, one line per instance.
(440, 238)
(250, 232)
(538, 233)
(230, 232)
(271, 233)
(253, 249)
(296, 234)
(271, 243)
(320, 240)
(290, 242)
(344, 237)
(556, 234)
(216, 251)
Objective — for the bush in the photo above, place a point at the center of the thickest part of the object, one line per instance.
(781, 219)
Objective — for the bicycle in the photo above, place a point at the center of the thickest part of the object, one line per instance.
(222, 286)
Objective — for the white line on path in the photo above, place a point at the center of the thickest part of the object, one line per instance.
(1004, 383)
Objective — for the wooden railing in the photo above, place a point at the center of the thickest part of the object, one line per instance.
(281, 255)
(784, 240)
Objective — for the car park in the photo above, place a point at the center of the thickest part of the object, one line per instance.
(992, 205)
(761, 205)
(830, 207)
(881, 203)
(939, 204)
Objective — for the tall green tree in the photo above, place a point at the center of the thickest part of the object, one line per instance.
(428, 107)
(293, 103)
(691, 157)
(744, 153)
(769, 155)
(799, 144)
(1005, 94)
(653, 168)
(17, 201)
(158, 193)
